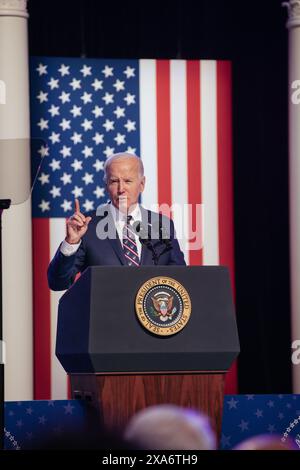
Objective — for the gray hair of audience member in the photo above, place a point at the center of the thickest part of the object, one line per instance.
(170, 427)
(121, 156)
(266, 442)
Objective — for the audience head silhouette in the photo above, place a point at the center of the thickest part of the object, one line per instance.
(266, 442)
(170, 427)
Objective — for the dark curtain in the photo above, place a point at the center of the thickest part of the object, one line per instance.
(254, 37)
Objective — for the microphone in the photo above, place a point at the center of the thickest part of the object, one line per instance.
(163, 234)
(144, 236)
(140, 230)
(154, 231)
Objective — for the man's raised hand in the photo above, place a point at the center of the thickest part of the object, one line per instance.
(77, 225)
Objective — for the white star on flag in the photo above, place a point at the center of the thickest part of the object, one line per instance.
(55, 191)
(129, 72)
(53, 83)
(109, 125)
(65, 124)
(98, 138)
(130, 125)
(88, 178)
(119, 85)
(54, 110)
(65, 151)
(66, 205)
(43, 151)
(76, 111)
(86, 97)
(42, 96)
(42, 69)
(97, 111)
(44, 178)
(120, 139)
(130, 99)
(55, 164)
(108, 98)
(97, 84)
(88, 205)
(243, 425)
(54, 137)
(44, 205)
(99, 192)
(76, 138)
(86, 70)
(68, 409)
(87, 125)
(77, 165)
(64, 70)
(43, 124)
(66, 178)
(98, 165)
(119, 112)
(77, 192)
(108, 151)
(87, 151)
(108, 71)
(75, 84)
(64, 97)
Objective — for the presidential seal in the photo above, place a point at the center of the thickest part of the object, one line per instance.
(163, 306)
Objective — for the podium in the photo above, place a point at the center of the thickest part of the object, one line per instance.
(120, 367)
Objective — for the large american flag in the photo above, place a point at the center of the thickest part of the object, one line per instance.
(175, 114)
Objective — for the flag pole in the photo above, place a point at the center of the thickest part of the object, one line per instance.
(293, 25)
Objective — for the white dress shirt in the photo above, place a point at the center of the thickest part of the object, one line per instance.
(119, 218)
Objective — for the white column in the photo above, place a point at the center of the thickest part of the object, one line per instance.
(293, 25)
(16, 241)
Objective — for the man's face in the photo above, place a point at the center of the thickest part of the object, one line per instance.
(124, 183)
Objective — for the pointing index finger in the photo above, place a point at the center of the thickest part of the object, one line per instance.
(77, 207)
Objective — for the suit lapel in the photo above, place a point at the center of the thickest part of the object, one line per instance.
(114, 241)
(117, 247)
(145, 251)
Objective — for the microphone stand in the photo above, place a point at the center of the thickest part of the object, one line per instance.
(149, 245)
(165, 240)
(144, 238)
(167, 248)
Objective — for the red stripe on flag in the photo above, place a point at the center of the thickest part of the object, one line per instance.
(225, 185)
(194, 147)
(163, 105)
(41, 309)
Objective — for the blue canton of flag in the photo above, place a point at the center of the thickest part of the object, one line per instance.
(83, 113)
(31, 424)
(245, 416)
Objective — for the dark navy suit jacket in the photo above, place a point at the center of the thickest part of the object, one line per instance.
(108, 251)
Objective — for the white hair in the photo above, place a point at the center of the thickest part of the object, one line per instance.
(120, 156)
(170, 427)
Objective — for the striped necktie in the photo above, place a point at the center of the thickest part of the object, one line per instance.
(129, 244)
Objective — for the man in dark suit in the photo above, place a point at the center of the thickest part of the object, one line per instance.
(119, 233)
